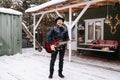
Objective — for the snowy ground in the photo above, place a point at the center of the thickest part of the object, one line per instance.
(35, 66)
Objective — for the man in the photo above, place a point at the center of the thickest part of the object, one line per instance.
(58, 32)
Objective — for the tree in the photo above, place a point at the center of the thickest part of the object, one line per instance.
(22, 5)
(6, 3)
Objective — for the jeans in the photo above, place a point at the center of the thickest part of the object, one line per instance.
(61, 53)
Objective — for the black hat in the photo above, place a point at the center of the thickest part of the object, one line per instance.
(59, 18)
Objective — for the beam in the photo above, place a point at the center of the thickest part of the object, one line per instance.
(80, 15)
(39, 21)
(69, 30)
(34, 22)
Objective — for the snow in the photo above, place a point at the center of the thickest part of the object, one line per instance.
(47, 4)
(34, 65)
(10, 11)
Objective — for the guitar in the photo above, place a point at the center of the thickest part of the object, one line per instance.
(56, 43)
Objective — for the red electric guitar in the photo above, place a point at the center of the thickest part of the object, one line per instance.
(56, 43)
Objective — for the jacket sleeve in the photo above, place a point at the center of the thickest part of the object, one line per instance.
(49, 36)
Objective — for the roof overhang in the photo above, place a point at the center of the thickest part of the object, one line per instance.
(45, 5)
(63, 5)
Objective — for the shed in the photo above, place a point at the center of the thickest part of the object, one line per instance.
(10, 31)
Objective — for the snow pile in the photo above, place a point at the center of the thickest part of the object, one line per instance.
(10, 11)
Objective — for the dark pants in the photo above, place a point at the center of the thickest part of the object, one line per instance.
(53, 59)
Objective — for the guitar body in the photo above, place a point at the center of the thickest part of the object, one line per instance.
(56, 43)
(48, 48)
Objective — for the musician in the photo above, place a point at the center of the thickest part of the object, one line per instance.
(58, 32)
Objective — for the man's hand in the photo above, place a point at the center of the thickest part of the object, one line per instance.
(52, 47)
(69, 41)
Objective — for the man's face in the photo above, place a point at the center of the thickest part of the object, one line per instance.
(59, 22)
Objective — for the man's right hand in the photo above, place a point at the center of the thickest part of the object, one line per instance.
(52, 47)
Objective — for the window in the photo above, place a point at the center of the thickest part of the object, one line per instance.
(94, 29)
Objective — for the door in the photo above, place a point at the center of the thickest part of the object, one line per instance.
(17, 34)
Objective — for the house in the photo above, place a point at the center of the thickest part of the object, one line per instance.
(82, 12)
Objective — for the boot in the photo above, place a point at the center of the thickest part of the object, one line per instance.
(61, 75)
(50, 76)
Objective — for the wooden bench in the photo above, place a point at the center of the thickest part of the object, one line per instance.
(109, 46)
(95, 49)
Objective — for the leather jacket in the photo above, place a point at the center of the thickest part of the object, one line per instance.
(57, 33)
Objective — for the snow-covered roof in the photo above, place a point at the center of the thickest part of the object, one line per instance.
(62, 5)
(47, 4)
(10, 11)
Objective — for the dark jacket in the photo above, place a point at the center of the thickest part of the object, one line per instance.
(57, 33)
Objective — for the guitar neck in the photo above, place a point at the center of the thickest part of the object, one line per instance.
(65, 42)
